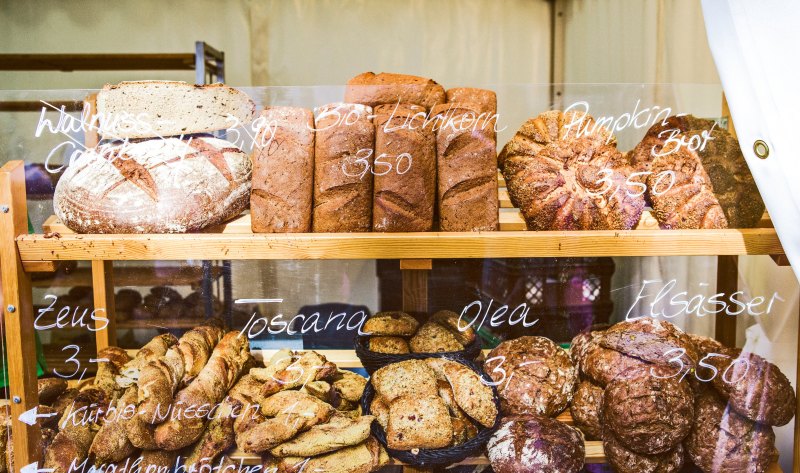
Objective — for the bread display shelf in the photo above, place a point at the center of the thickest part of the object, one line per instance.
(134, 276)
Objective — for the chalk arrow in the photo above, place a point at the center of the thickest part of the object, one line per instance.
(34, 468)
(29, 417)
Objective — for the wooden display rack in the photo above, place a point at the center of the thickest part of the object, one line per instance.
(21, 253)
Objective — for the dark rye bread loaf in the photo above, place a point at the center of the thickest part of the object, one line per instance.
(723, 441)
(466, 158)
(585, 408)
(154, 186)
(624, 460)
(647, 410)
(756, 389)
(649, 339)
(404, 195)
(283, 171)
(386, 88)
(342, 195)
(536, 376)
(602, 365)
(533, 444)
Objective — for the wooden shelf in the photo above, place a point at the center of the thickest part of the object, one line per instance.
(234, 241)
(133, 276)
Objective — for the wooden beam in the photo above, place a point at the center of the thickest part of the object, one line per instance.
(727, 283)
(17, 314)
(103, 289)
(39, 266)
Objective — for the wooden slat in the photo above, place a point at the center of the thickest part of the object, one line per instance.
(103, 290)
(143, 276)
(96, 62)
(36, 106)
(39, 266)
(418, 264)
(727, 283)
(19, 329)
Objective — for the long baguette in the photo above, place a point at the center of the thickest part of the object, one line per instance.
(219, 375)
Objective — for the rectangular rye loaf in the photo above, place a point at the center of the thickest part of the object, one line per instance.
(149, 109)
(387, 88)
(466, 154)
(283, 171)
(343, 156)
(405, 170)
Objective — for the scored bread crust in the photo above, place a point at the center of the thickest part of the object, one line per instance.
(154, 186)
(554, 176)
(624, 460)
(157, 108)
(585, 409)
(373, 89)
(532, 444)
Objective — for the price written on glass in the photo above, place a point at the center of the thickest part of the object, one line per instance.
(685, 366)
(635, 183)
(359, 165)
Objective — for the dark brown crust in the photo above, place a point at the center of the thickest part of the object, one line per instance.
(624, 460)
(554, 176)
(404, 202)
(386, 88)
(539, 376)
(651, 340)
(756, 389)
(585, 409)
(725, 442)
(342, 202)
(283, 172)
(648, 412)
(528, 444)
(50, 389)
(602, 365)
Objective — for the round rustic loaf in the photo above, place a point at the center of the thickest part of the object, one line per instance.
(624, 460)
(723, 441)
(534, 444)
(154, 186)
(535, 376)
(555, 175)
(651, 340)
(585, 409)
(648, 411)
(602, 365)
(722, 159)
(756, 389)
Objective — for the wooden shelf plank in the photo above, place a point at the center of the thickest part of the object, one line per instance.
(232, 245)
(96, 62)
(133, 276)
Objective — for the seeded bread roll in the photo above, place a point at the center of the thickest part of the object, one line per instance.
(394, 324)
(466, 156)
(448, 319)
(723, 441)
(154, 108)
(342, 184)
(648, 410)
(405, 194)
(395, 345)
(585, 409)
(533, 444)
(283, 171)
(539, 377)
(386, 88)
(624, 460)
(433, 338)
(756, 389)
(418, 422)
(412, 378)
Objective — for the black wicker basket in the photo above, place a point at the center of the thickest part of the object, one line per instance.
(372, 361)
(439, 457)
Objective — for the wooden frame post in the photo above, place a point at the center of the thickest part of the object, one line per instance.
(415, 284)
(18, 314)
(103, 290)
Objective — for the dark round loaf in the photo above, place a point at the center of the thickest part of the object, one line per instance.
(649, 339)
(602, 365)
(725, 442)
(649, 410)
(534, 444)
(585, 409)
(579, 346)
(624, 460)
(535, 376)
(756, 389)
(50, 389)
(126, 299)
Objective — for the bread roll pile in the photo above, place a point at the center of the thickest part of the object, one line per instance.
(431, 404)
(155, 175)
(400, 333)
